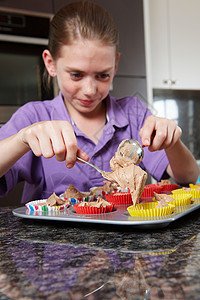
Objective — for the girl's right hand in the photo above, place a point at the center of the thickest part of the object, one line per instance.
(49, 138)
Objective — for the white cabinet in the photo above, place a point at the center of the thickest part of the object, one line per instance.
(174, 43)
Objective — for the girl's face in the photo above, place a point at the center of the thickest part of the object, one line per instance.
(85, 71)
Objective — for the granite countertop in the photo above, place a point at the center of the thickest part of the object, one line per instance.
(63, 260)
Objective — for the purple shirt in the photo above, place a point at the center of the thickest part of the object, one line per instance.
(44, 176)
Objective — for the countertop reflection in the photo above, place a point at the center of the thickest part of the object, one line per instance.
(61, 260)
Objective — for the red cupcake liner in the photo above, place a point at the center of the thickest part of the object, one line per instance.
(93, 210)
(169, 187)
(119, 198)
(150, 189)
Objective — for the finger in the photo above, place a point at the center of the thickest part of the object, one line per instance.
(41, 132)
(170, 138)
(158, 139)
(82, 154)
(46, 146)
(58, 143)
(71, 146)
(176, 136)
(173, 134)
(38, 143)
(147, 130)
(35, 146)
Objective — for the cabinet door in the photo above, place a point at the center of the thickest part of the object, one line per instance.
(184, 28)
(175, 43)
(44, 6)
(160, 67)
(128, 15)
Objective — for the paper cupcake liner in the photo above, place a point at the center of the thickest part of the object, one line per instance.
(74, 201)
(150, 189)
(99, 193)
(169, 187)
(39, 205)
(93, 210)
(119, 189)
(195, 193)
(193, 186)
(180, 199)
(149, 210)
(96, 192)
(119, 198)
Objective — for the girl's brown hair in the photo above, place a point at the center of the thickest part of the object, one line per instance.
(81, 19)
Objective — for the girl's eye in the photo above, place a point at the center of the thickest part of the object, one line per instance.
(75, 76)
(104, 76)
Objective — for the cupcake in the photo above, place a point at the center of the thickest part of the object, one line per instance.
(119, 198)
(101, 191)
(187, 191)
(53, 203)
(150, 189)
(175, 199)
(167, 186)
(150, 209)
(95, 207)
(75, 196)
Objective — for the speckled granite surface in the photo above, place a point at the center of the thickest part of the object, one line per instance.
(61, 260)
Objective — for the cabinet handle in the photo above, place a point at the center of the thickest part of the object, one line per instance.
(173, 82)
(167, 81)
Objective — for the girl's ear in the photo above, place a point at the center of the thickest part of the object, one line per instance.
(49, 63)
(117, 61)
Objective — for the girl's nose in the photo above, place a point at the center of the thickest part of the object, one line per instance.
(90, 87)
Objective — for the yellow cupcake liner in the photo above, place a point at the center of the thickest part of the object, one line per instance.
(195, 193)
(180, 199)
(193, 186)
(149, 210)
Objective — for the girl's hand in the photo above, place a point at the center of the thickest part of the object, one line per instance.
(159, 133)
(49, 138)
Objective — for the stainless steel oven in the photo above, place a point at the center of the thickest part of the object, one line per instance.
(23, 37)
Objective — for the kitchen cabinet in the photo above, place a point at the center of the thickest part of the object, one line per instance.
(36, 5)
(175, 44)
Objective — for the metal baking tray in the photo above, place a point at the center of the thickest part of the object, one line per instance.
(119, 216)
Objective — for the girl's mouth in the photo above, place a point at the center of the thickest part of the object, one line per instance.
(86, 102)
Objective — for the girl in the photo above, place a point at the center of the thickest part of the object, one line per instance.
(42, 138)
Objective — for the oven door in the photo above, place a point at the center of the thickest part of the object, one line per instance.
(21, 76)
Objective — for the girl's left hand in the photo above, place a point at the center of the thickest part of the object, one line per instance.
(159, 133)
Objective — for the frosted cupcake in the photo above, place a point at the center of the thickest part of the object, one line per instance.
(101, 191)
(76, 196)
(95, 207)
(53, 203)
(175, 199)
(193, 190)
(167, 186)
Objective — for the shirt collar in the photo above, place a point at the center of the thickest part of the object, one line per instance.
(59, 110)
(115, 113)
